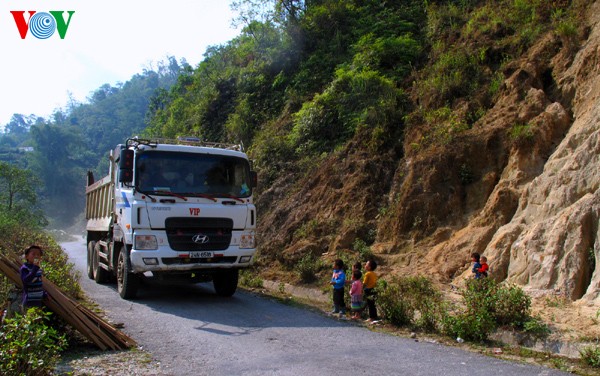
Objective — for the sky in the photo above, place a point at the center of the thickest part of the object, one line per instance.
(106, 42)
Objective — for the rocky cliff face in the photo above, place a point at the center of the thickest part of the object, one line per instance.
(530, 201)
(553, 240)
(539, 225)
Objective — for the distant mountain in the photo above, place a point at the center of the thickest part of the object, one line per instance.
(60, 150)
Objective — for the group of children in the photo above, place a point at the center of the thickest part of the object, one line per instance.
(480, 266)
(360, 286)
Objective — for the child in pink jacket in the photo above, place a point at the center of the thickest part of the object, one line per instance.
(356, 295)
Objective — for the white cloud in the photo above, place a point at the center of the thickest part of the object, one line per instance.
(107, 41)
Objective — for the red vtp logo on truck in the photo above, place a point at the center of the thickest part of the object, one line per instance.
(42, 25)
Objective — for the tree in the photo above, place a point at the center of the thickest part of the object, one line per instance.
(18, 197)
(19, 124)
(249, 11)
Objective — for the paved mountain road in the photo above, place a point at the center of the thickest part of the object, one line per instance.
(192, 331)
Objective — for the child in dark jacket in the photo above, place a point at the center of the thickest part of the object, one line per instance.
(476, 265)
(31, 276)
(338, 280)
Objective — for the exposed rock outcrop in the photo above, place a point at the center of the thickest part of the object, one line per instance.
(552, 240)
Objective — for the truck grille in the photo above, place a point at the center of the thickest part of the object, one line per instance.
(199, 234)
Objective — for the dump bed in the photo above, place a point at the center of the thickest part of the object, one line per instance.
(99, 204)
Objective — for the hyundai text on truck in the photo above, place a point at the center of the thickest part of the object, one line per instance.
(171, 210)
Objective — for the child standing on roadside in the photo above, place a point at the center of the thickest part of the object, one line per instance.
(483, 270)
(31, 276)
(476, 265)
(369, 283)
(357, 266)
(338, 280)
(356, 294)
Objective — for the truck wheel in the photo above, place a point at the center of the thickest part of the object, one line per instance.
(127, 283)
(101, 275)
(225, 282)
(90, 259)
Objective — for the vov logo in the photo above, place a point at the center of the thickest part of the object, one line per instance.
(42, 25)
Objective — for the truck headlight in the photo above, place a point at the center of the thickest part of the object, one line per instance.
(247, 241)
(145, 242)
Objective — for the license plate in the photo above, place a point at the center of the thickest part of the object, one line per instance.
(201, 254)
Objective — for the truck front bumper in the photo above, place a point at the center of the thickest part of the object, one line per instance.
(165, 259)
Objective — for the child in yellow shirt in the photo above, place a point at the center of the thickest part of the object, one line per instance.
(369, 283)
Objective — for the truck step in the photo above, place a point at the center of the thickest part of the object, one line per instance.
(103, 256)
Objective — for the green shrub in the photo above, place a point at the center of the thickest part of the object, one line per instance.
(354, 99)
(427, 302)
(456, 73)
(524, 11)
(567, 29)
(483, 21)
(444, 19)
(487, 305)
(308, 267)
(508, 304)
(271, 152)
(471, 326)
(249, 278)
(444, 125)
(28, 346)
(591, 356)
(479, 295)
(364, 251)
(392, 54)
(395, 309)
(411, 301)
(512, 306)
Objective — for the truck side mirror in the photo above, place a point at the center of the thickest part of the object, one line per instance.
(90, 178)
(253, 179)
(126, 166)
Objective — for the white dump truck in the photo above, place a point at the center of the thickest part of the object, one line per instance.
(171, 210)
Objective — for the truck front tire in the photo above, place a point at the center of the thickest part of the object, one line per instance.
(225, 282)
(127, 283)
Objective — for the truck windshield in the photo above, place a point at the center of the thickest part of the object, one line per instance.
(192, 174)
